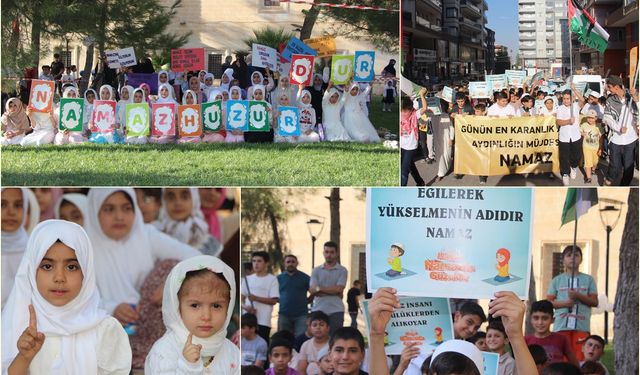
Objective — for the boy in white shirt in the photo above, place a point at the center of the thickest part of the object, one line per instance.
(259, 292)
(570, 148)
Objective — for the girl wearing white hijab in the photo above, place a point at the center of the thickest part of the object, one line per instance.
(71, 207)
(163, 78)
(219, 136)
(89, 97)
(189, 98)
(307, 117)
(208, 84)
(332, 104)
(258, 79)
(138, 98)
(284, 87)
(164, 96)
(283, 99)
(44, 128)
(15, 203)
(66, 332)
(126, 97)
(259, 93)
(355, 120)
(126, 249)
(186, 348)
(181, 218)
(67, 137)
(226, 79)
(106, 93)
(15, 123)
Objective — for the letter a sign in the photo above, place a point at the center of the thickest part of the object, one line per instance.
(41, 95)
(301, 69)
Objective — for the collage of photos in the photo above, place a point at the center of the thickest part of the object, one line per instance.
(305, 187)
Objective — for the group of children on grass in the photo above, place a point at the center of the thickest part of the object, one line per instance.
(100, 290)
(326, 112)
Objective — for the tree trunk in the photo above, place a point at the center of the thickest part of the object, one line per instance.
(277, 251)
(36, 27)
(309, 21)
(334, 209)
(86, 74)
(625, 321)
(528, 327)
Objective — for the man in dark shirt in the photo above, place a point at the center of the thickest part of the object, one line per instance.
(294, 286)
(353, 303)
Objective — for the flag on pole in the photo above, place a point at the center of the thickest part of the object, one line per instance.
(589, 32)
(578, 202)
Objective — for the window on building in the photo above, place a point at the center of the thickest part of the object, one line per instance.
(276, 6)
(214, 64)
(65, 57)
(452, 13)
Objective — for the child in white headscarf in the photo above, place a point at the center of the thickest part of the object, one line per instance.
(219, 136)
(163, 78)
(284, 87)
(126, 249)
(307, 117)
(44, 126)
(15, 205)
(126, 97)
(89, 97)
(259, 93)
(164, 96)
(15, 123)
(138, 98)
(225, 80)
(116, 136)
(332, 104)
(234, 136)
(258, 79)
(189, 98)
(283, 100)
(197, 305)
(71, 207)
(51, 323)
(181, 218)
(208, 84)
(354, 118)
(66, 136)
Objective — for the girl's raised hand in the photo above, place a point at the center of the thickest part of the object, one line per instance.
(31, 340)
(125, 313)
(191, 351)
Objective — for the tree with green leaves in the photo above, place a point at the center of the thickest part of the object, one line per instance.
(268, 36)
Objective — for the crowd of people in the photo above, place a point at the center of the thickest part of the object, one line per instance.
(327, 112)
(592, 126)
(109, 280)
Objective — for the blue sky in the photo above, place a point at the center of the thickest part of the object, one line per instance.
(502, 17)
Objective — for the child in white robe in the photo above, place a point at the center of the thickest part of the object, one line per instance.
(307, 117)
(332, 104)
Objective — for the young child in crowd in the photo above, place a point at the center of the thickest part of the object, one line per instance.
(15, 123)
(307, 117)
(592, 145)
(254, 348)
(539, 357)
(467, 320)
(67, 136)
(72, 207)
(346, 349)
(555, 345)
(592, 350)
(149, 200)
(325, 363)
(355, 120)
(197, 305)
(15, 205)
(389, 96)
(280, 354)
(479, 340)
(497, 342)
(217, 136)
(139, 97)
(308, 363)
(164, 97)
(409, 138)
(189, 98)
(332, 104)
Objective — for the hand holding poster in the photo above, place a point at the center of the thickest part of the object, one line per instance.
(264, 57)
(341, 69)
(71, 114)
(478, 89)
(433, 104)
(41, 96)
(363, 66)
(301, 69)
(104, 116)
(516, 77)
(137, 119)
(189, 124)
(496, 82)
(457, 243)
(420, 320)
(187, 59)
(212, 116)
(258, 116)
(237, 115)
(163, 119)
(289, 122)
(324, 46)
(121, 57)
(448, 94)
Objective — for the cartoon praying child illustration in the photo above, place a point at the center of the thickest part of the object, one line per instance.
(396, 251)
(502, 257)
(438, 332)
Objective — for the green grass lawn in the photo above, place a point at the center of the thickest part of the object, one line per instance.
(319, 164)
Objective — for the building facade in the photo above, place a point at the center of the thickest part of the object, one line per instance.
(490, 57)
(543, 34)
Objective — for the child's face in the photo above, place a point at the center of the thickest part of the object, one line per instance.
(162, 78)
(568, 260)
(225, 79)
(482, 345)
(72, 94)
(71, 212)
(306, 99)
(255, 78)
(194, 84)
(354, 91)
(592, 350)
(326, 365)
(90, 97)
(13, 107)
(208, 81)
(284, 82)
(549, 104)
(179, 203)
(394, 252)
(258, 264)
(280, 357)
(190, 99)
(478, 112)
(44, 197)
(591, 120)
(248, 332)
(235, 95)
(333, 99)
(258, 95)
(149, 206)
(319, 329)
(116, 216)
(137, 97)
(541, 322)
(164, 92)
(12, 210)
(496, 340)
(346, 356)
(225, 95)
(203, 305)
(566, 100)
(502, 102)
(59, 277)
(460, 103)
(465, 326)
(105, 94)
(284, 100)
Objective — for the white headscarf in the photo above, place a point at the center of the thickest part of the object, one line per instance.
(16, 242)
(206, 89)
(261, 78)
(108, 87)
(79, 200)
(193, 95)
(73, 322)
(302, 94)
(238, 89)
(171, 304)
(68, 89)
(193, 231)
(172, 94)
(169, 98)
(332, 91)
(213, 93)
(34, 211)
(258, 87)
(348, 92)
(130, 90)
(229, 73)
(121, 265)
(144, 97)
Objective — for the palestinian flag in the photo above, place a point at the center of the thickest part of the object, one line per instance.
(589, 32)
(578, 202)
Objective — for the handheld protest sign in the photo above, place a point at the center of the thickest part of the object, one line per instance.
(363, 66)
(238, 115)
(324, 46)
(301, 69)
(71, 114)
(496, 82)
(516, 77)
(448, 94)
(433, 104)
(478, 89)
(341, 69)
(104, 116)
(163, 119)
(212, 116)
(187, 59)
(296, 46)
(473, 242)
(258, 116)
(422, 321)
(264, 57)
(41, 96)
(137, 119)
(490, 363)
(189, 124)
(289, 122)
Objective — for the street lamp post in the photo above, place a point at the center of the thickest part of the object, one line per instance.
(609, 214)
(311, 224)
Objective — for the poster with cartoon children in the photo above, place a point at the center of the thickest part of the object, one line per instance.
(421, 321)
(451, 243)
